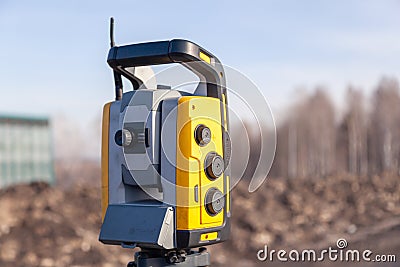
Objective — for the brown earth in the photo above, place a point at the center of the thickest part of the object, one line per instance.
(53, 226)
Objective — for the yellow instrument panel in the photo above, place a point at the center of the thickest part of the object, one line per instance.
(192, 181)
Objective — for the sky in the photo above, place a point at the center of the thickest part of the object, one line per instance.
(53, 53)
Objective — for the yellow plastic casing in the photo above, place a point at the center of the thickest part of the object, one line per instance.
(190, 174)
(104, 159)
(205, 57)
(209, 236)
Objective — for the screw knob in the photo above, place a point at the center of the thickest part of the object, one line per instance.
(202, 135)
(127, 137)
(215, 201)
(214, 165)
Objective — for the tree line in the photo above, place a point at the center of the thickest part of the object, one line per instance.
(313, 141)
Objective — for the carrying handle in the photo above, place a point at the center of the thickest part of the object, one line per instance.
(207, 67)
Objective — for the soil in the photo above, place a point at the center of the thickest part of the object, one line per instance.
(42, 225)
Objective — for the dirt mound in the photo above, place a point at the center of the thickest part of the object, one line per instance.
(51, 226)
(45, 226)
(314, 214)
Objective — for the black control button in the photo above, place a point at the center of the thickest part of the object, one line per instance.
(202, 135)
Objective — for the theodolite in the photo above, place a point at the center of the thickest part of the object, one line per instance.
(165, 157)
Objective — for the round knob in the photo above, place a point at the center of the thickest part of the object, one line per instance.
(202, 135)
(214, 165)
(127, 137)
(215, 201)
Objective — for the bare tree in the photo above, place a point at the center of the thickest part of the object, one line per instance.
(355, 131)
(384, 129)
(311, 137)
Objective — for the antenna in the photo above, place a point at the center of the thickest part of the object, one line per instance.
(117, 76)
(112, 43)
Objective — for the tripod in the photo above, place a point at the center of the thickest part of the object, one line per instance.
(162, 258)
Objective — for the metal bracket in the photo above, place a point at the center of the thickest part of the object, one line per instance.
(200, 258)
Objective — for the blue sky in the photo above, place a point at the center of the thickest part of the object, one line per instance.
(53, 53)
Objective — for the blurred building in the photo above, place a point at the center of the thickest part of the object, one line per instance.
(26, 150)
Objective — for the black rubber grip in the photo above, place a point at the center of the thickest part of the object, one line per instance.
(173, 51)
